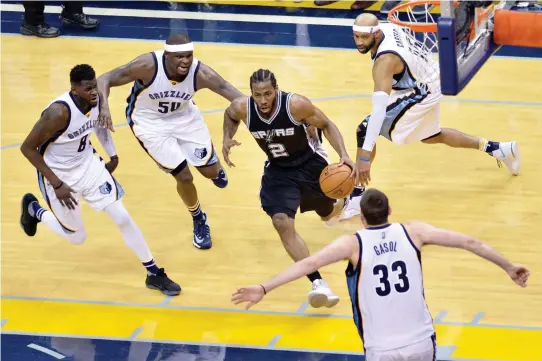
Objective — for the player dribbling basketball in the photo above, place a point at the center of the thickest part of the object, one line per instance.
(279, 121)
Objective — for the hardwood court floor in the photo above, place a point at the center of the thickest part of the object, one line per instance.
(459, 189)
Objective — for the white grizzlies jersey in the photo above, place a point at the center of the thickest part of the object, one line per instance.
(416, 70)
(386, 289)
(69, 152)
(163, 101)
(413, 87)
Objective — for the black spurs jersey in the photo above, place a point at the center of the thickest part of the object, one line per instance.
(284, 140)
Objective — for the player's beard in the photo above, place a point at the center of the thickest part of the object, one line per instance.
(268, 112)
(368, 48)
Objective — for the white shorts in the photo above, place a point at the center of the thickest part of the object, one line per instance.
(422, 351)
(418, 123)
(170, 146)
(411, 117)
(97, 187)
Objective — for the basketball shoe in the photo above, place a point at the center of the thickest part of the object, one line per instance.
(508, 153)
(321, 295)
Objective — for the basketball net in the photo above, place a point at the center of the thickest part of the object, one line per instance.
(422, 44)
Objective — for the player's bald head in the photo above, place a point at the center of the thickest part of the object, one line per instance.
(178, 39)
(366, 19)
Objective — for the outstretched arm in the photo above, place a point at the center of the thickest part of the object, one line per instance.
(383, 70)
(344, 247)
(141, 68)
(210, 79)
(304, 111)
(234, 114)
(427, 234)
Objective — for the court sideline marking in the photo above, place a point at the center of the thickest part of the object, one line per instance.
(355, 96)
(262, 312)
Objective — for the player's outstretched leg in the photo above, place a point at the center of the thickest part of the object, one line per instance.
(506, 152)
(187, 191)
(321, 295)
(157, 279)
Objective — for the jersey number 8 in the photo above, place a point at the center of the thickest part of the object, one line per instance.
(82, 144)
(401, 287)
(277, 150)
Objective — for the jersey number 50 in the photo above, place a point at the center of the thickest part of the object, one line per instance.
(277, 150)
(385, 289)
(165, 107)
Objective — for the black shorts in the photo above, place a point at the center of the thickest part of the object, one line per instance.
(284, 190)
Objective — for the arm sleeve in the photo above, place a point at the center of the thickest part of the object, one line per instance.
(104, 136)
(380, 101)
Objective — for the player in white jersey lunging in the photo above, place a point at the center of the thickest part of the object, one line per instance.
(166, 121)
(385, 280)
(406, 99)
(69, 169)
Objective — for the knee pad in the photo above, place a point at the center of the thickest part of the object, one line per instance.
(362, 132)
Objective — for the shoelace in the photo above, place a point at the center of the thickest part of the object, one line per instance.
(202, 229)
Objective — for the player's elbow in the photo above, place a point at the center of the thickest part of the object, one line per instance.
(25, 149)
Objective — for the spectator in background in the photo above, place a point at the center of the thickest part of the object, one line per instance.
(72, 14)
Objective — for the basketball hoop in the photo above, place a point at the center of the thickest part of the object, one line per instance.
(421, 35)
(419, 24)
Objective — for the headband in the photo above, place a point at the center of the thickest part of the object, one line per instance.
(366, 29)
(179, 48)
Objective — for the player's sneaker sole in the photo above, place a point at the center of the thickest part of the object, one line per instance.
(318, 299)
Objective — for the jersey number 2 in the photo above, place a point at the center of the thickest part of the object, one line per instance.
(277, 150)
(382, 270)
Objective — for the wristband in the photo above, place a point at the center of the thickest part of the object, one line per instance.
(60, 185)
(364, 159)
(264, 290)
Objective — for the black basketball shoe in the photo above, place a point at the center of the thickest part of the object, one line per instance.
(29, 224)
(161, 282)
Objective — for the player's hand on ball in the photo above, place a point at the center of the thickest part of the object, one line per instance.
(349, 162)
(252, 295)
(104, 118)
(65, 197)
(226, 149)
(112, 164)
(519, 274)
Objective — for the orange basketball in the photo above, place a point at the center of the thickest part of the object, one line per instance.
(336, 182)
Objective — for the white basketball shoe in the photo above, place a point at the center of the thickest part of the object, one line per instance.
(508, 153)
(321, 295)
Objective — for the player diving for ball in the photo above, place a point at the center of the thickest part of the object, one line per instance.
(166, 121)
(279, 122)
(406, 101)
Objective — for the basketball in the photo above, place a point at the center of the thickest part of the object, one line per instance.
(335, 181)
